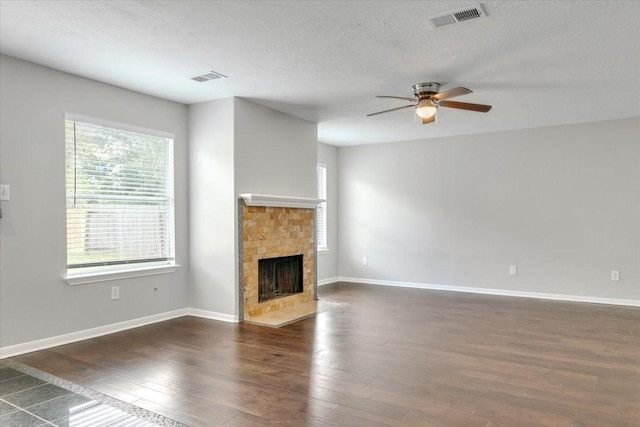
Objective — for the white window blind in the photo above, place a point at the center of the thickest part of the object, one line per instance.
(120, 203)
(321, 213)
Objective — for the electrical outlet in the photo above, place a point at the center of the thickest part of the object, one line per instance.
(513, 270)
(4, 192)
(615, 275)
(365, 261)
(115, 292)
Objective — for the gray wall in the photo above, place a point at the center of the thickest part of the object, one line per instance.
(212, 206)
(35, 302)
(275, 153)
(562, 203)
(328, 260)
(235, 147)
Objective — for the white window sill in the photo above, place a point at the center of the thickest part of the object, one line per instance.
(324, 251)
(84, 278)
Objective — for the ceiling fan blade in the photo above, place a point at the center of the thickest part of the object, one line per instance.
(393, 109)
(456, 91)
(429, 120)
(465, 106)
(398, 97)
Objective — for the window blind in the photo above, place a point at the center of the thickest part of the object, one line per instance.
(321, 212)
(119, 198)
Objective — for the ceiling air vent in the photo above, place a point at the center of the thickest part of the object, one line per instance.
(457, 16)
(212, 75)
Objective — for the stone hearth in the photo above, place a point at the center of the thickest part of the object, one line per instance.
(270, 228)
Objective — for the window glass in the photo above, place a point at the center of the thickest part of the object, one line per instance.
(119, 198)
(321, 215)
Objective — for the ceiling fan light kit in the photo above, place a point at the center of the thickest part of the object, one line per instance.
(427, 99)
(426, 108)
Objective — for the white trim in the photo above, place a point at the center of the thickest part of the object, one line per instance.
(84, 278)
(14, 350)
(117, 125)
(28, 347)
(323, 251)
(491, 291)
(279, 201)
(328, 281)
(205, 314)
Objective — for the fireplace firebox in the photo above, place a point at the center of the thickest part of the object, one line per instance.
(279, 277)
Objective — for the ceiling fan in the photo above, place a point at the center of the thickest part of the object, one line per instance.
(427, 99)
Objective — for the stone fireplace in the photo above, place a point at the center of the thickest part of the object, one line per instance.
(278, 251)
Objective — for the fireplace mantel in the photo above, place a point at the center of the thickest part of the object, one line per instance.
(251, 199)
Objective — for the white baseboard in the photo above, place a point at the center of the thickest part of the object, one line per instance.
(42, 344)
(28, 347)
(212, 315)
(491, 291)
(15, 350)
(328, 281)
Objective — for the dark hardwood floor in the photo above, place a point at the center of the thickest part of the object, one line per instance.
(377, 356)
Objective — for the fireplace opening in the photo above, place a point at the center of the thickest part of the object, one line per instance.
(279, 277)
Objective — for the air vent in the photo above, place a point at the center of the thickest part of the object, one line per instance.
(212, 75)
(467, 14)
(457, 16)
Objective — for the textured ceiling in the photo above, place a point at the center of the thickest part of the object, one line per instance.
(537, 63)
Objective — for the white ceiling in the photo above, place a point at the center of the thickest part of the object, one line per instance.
(538, 63)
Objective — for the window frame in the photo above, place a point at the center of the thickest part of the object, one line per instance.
(322, 209)
(125, 270)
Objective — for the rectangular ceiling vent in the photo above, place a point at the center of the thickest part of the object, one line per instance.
(212, 75)
(457, 16)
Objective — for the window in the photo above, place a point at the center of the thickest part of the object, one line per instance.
(321, 214)
(120, 206)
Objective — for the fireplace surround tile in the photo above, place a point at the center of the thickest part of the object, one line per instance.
(269, 232)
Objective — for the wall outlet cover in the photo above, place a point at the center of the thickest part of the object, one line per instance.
(5, 192)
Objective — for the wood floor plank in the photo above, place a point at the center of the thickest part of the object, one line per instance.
(382, 356)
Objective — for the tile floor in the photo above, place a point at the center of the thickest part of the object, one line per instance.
(26, 400)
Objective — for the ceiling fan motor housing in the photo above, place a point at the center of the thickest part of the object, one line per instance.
(423, 90)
